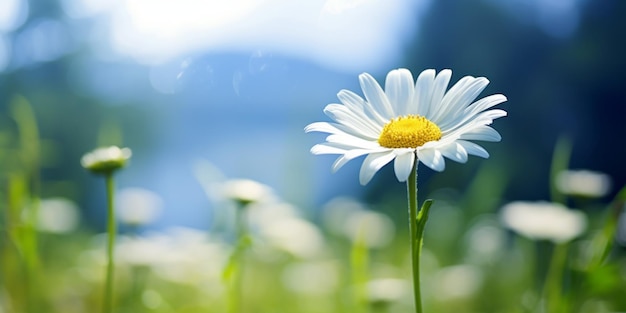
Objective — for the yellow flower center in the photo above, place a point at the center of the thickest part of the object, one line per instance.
(409, 131)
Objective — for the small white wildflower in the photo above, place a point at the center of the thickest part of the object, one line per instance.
(246, 191)
(458, 281)
(138, 206)
(321, 277)
(583, 183)
(352, 219)
(57, 215)
(294, 235)
(106, 160)
(387, 289)
(337, 212)
(375, 229)
(144, 251)
(544, 220)
(485, 240)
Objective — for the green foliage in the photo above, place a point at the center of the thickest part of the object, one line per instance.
(470, 263)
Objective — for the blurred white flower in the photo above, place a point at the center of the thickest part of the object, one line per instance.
(319, 277)
(142, 251)
(138, 206)
(458, 281)
(275, 225)
(278, 225)
(181, 255)
(57, 215)
(350, 218)
(337, 212)
(583, 183)
(268, 212)
(246, 191)
(151, 299)
(543, 220)
(485, 240)
(297, 236)
(106, 160)
(375, 229)
(193, 258)
(388, 289)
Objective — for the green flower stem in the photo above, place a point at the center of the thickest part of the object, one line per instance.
(241, 220)
(242, 234)
(140, 275)
(107, 306)
(417, 222)
(21, 215)
(603, 241)
(560, 162)
(232, 274)
(359, 259)
(31, 258)
(554, 279)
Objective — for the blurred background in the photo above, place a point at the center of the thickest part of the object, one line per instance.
(189, 83)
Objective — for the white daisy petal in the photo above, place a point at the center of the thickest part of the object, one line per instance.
(322, 127)
(354, 101)
(403, 164)
(423, 93)
(458, 98)
(349, 155)
(455, 152)
(439, 90)
(474, 149)
(376, 96)
(372, 163)
(486, 117)
(343, 146)
(484, 104)
(335, 111)
(482, 132)
(339, 163)
(360, 108)
(326, 149)
(472, 111)
(469, 122)
(352, 141)
(399, 89)
(432, 158)
(351, 100)
(358, 125)
(444, 105)
(333, 128)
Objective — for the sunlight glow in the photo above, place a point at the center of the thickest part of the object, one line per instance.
(86, 8)
(340, 33)
(12, 14)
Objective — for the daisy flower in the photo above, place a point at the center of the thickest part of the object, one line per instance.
(409, 122)
(106, 159)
